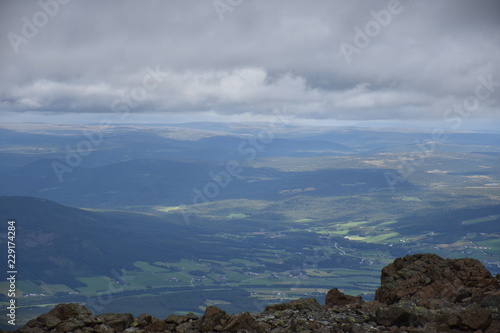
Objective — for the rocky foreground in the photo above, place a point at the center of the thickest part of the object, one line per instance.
(418, 293)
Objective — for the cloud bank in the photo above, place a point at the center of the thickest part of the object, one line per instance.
(320, 59)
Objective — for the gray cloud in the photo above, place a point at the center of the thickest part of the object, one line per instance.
(92, 57)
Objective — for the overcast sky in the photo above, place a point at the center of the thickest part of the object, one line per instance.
(319, 60)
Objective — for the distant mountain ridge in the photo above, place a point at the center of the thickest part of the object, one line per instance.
(155, 181)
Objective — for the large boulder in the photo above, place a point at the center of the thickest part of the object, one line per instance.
(452, 317)
(429, 276)
(335, 297)
(213, 319)
(66, 311)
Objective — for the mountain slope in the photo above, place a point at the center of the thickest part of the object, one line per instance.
(56, 244)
